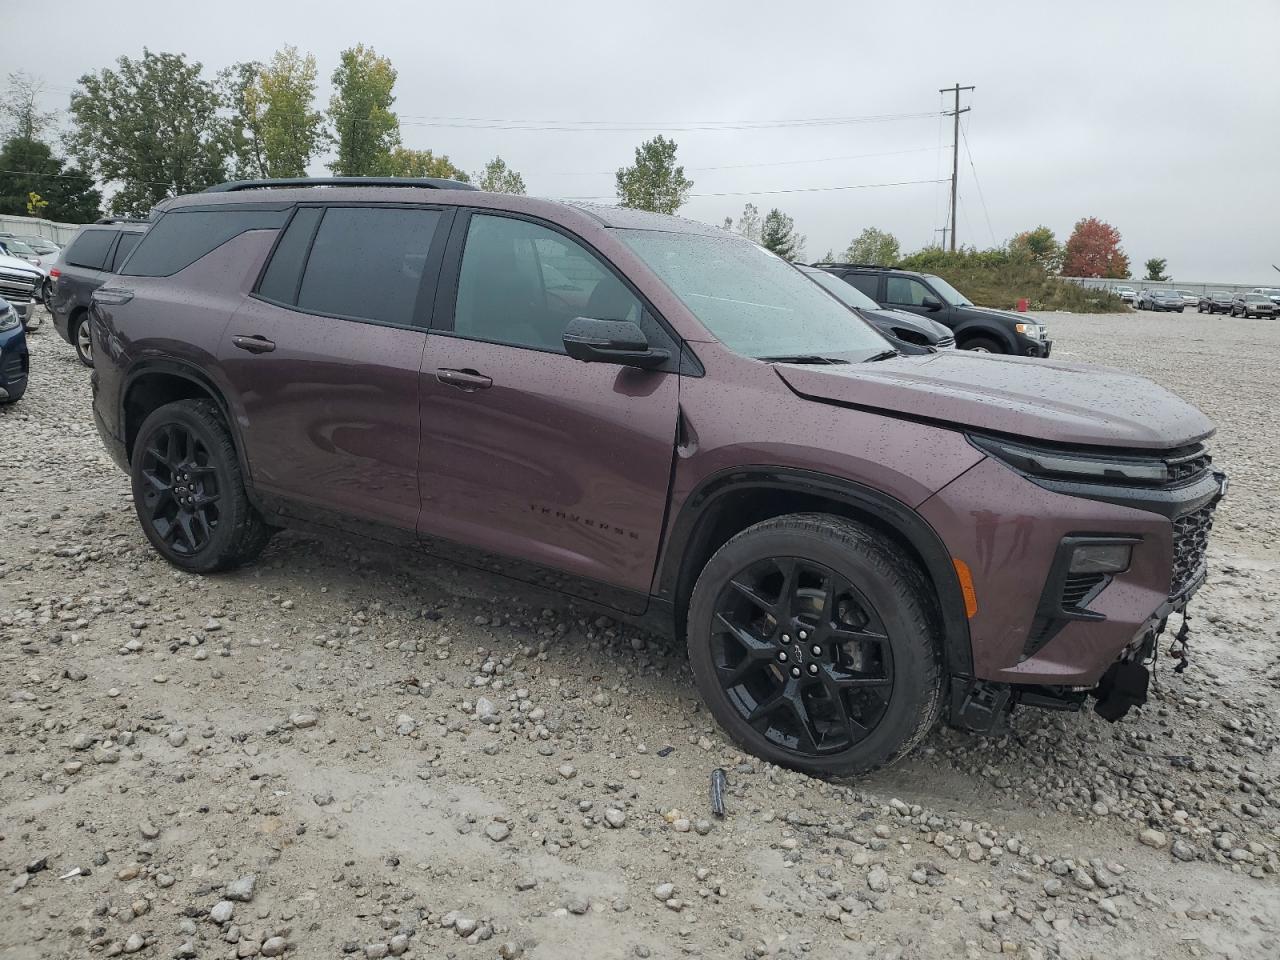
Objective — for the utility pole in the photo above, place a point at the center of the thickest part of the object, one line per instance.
(955, 153)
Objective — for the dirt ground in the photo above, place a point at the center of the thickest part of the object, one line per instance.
(347, 750)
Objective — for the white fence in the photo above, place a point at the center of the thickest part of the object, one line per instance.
(35, 226)
(1196, 287)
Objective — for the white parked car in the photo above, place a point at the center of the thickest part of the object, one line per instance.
(1188, 297)
(1127, 294)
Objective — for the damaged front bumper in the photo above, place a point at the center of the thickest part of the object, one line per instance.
(986, 706)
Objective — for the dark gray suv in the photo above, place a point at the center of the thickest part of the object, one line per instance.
(94, 253)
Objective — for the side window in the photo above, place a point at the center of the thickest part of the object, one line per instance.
(127, 242)
(866, 282)
(367, 263)
(284, 272)
(522, 283)
(90, 249)
(906, 291)
(181, 237)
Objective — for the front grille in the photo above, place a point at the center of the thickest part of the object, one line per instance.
(1190, 541)
(1079, 586)
(20, 287)
(946, 342)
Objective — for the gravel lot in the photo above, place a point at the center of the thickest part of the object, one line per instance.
(351, 751)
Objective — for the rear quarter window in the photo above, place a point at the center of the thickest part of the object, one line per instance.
(90, 248)
(866, 282)
(181, 237)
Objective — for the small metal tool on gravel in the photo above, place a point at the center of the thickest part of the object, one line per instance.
(717, 791)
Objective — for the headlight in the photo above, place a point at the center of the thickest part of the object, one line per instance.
(9, 320)
(1033, 330)
(1041, 462)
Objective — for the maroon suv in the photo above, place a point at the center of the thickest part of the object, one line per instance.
(669, 421)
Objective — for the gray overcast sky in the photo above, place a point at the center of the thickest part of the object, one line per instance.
(1162, 118)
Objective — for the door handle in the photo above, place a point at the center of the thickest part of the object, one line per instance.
(466, 380)
(254, 344)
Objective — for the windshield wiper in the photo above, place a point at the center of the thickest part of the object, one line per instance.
(802, 358)
(883, 355)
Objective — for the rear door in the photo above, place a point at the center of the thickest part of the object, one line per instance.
(324, 359)
(528, 454)
(124, 246)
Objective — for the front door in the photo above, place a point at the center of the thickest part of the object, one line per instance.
(324, 363)
(908, 293)
(531, 455)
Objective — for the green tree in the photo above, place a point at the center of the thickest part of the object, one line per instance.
(278, 109)
(1039, 246)
(497, 177)
(360, 114)
(749, 223)
(423, 163)
(654, 182)
(778, 234)
(245, 159)
(1156, 267)
(29, 166)
(152, 126)
(874, 246)
(21, 118)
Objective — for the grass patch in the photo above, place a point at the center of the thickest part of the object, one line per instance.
(996, 278)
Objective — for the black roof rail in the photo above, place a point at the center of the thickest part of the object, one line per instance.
(435, 183)
(841, 263)
(122, 220)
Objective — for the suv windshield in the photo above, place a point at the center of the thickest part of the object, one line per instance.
(948, 293)
(17, 247)
(846, 293)
(752, 301)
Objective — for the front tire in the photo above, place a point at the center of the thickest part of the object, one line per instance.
(188, 490)
(816, 646)
(982, 345)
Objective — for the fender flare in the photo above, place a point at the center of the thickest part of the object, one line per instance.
(691, 526)
(193, 374)
(989, 330)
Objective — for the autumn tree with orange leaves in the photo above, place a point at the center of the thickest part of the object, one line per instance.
(1093, 250)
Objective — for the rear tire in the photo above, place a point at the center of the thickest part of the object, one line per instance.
(816, 645)
(982, 345)
(82, 339)
(188, 490)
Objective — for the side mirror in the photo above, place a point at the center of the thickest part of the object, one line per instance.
(931, 303)
(611, 341)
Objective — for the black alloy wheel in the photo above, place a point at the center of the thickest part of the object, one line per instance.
(180, 489)
(816, 644)
(802, 655)
(189, 492)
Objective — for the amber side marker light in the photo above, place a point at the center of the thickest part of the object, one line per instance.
(966, 587)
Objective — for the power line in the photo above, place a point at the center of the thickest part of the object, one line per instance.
(760, 193)
(978, 183)
(748, 166)
(630, 126)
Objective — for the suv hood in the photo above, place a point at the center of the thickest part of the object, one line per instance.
(911, 321)
(14, 263)
(1006, 315)
(1041, 399)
